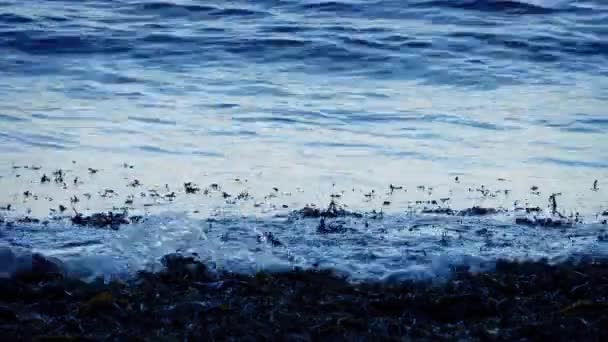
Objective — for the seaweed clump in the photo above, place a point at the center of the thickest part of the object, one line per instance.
(332, 211)
(104, 220)
(542, 222)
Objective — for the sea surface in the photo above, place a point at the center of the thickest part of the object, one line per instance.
(384, 106)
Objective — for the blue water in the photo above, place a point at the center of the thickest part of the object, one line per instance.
(312, 97)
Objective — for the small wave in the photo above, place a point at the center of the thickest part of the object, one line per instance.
(164, 6)
(10, 18)
(572, 163)
(42, 42)
(331, 7)
(156, 149)
(501, 6)
(36, 140)
(152, 120)
(10, 118)
(441, 118)
(365, 246)
(168, 8)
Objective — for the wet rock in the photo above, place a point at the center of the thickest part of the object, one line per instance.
(524, 268)
(36, 268)
(331, 227)
(332, 211)
(103, 301)
(439, 211)
(7, 315)
(270, 238)
(11, 290)
(519, 301)
(541, 222)
(478, 211)
(184, 267)
(101, 220)
(28, 219)
(60, 338)
(454, 308)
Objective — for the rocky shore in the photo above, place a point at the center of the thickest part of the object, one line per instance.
(185, 301)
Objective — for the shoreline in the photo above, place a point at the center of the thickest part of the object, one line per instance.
(529, 300)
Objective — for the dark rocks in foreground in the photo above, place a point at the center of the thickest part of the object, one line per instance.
(527, 301)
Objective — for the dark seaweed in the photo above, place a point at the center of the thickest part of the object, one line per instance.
(188, 301)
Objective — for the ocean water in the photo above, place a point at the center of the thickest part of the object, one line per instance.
(313, 98)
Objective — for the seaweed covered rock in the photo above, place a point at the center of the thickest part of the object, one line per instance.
(36, 268)
(180, 267)
(185, 301)
(542, 222)
(439, 211)
(332, 211)
(105, 220)
(478, 211)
